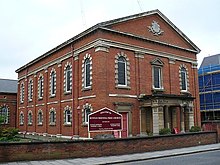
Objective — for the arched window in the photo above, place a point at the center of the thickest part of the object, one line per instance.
(40, 117)
(52, 83)
(30, 118)
(87, 109)
(21, 118)
(40, 87)
(52, 116)
(87, 73)
(30, 90)
(183, 74)
(86, 115)
(122, 71)
(22, 92)
(67, 115)
(4, 113)
(68, 78)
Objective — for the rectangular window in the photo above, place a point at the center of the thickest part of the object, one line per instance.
(157, 81)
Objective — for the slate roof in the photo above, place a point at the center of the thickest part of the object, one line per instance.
(8, 86)
(211, 60)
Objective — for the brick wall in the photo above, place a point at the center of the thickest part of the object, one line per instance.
(96, 148)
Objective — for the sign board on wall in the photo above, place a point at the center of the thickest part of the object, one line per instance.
(105, 119)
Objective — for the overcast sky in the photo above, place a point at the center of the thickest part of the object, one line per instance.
(29, 28)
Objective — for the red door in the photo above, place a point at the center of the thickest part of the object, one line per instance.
(124, 132)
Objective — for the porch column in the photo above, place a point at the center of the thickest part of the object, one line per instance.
(191, 117)
(155, 120)
(167, 121)
(178, 118)
(158, 121)
(182, 125)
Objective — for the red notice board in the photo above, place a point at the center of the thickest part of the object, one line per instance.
(105, 119)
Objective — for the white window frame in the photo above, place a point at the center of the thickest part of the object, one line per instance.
(185, 75)
(53, 83)
(21, 117)
(40, 87)
(40, 118)
(66, 78)
(30, 118)
(85, 74)
(22, 93)
(125, 71)
(30, 90)
(160, 77)
(52, 112)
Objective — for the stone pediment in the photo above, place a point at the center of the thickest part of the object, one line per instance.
(157, 61)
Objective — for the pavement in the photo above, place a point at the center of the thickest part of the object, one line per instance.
(121, 158)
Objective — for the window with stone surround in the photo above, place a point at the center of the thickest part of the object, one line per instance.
(87, 109)
(184, 78)
(52, 115)
(68, 78)
(157, 74)
(30, 117)
(40, 86)
(22, 92)
(67, 115)
(21, 118)
(30, 89)
(122, 71)
(40, 117)
(87, 72)
(53, 82)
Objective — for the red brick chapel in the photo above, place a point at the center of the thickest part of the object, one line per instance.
(141, 66)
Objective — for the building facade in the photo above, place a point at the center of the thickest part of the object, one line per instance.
(209, 88)
(8, 102)
(141, 66)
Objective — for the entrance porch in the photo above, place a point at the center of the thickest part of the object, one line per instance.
(166, 111)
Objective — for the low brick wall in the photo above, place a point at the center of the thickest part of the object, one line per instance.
(96, 148)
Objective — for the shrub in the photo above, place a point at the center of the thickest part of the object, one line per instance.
(8, 133)
(195, 129)
(165, 131)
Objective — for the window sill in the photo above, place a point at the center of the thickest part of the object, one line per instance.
(40, 124)
(40, 98)
(67, 124)
(29, 124)
(157, 90)
(30, 100)
(185, 93)
(123, 87)
(52, 96)
(87, 88)
(52, 124)
(21, 124)
(67, 92)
